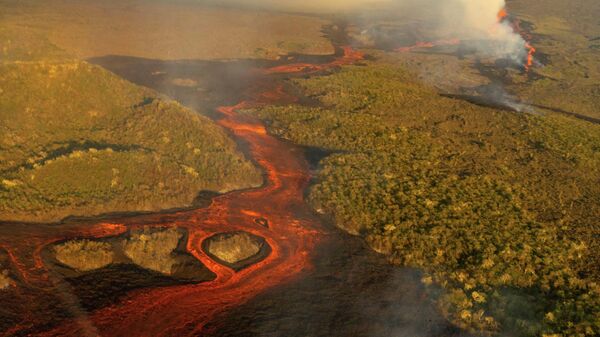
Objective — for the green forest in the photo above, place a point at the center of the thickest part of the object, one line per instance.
(501, 210)
(76, 139)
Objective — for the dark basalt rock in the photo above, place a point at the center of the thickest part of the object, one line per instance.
(107, 285)
(101, 271)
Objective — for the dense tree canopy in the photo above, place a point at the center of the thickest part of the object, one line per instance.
(500, 209)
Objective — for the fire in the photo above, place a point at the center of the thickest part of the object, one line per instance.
(502, 16)
(530, 54)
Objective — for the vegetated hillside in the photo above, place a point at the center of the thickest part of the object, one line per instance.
(76, 139)
(168, 30)
(500, 209)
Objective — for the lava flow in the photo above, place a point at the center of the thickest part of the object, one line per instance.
(349, 56)
(184, 310)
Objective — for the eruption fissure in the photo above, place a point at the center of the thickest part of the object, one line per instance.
(504, 34)
(503, 16)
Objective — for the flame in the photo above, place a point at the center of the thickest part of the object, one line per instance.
(516, 26)
(502, 15)
(184, 310)
(530, 55)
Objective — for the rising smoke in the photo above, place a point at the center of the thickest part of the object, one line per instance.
(475, 22)
(481, 23)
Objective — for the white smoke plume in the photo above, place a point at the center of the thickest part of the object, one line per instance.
(473, 21)
(478, 20)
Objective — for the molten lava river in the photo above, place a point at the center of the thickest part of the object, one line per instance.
(292, 232)
(312, 279)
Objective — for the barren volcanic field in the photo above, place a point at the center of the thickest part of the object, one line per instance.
(361, 168)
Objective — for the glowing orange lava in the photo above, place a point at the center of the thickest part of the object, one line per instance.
(350, 56)
(184, 310)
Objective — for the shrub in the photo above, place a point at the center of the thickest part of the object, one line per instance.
(153, 249)
(498, 208)
(84, 255)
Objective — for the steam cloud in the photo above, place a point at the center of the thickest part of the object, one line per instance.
(474, 21)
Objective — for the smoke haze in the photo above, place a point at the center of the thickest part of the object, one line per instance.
(473, 21)
(314, 6)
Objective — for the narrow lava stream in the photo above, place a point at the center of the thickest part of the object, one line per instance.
(184, 310)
